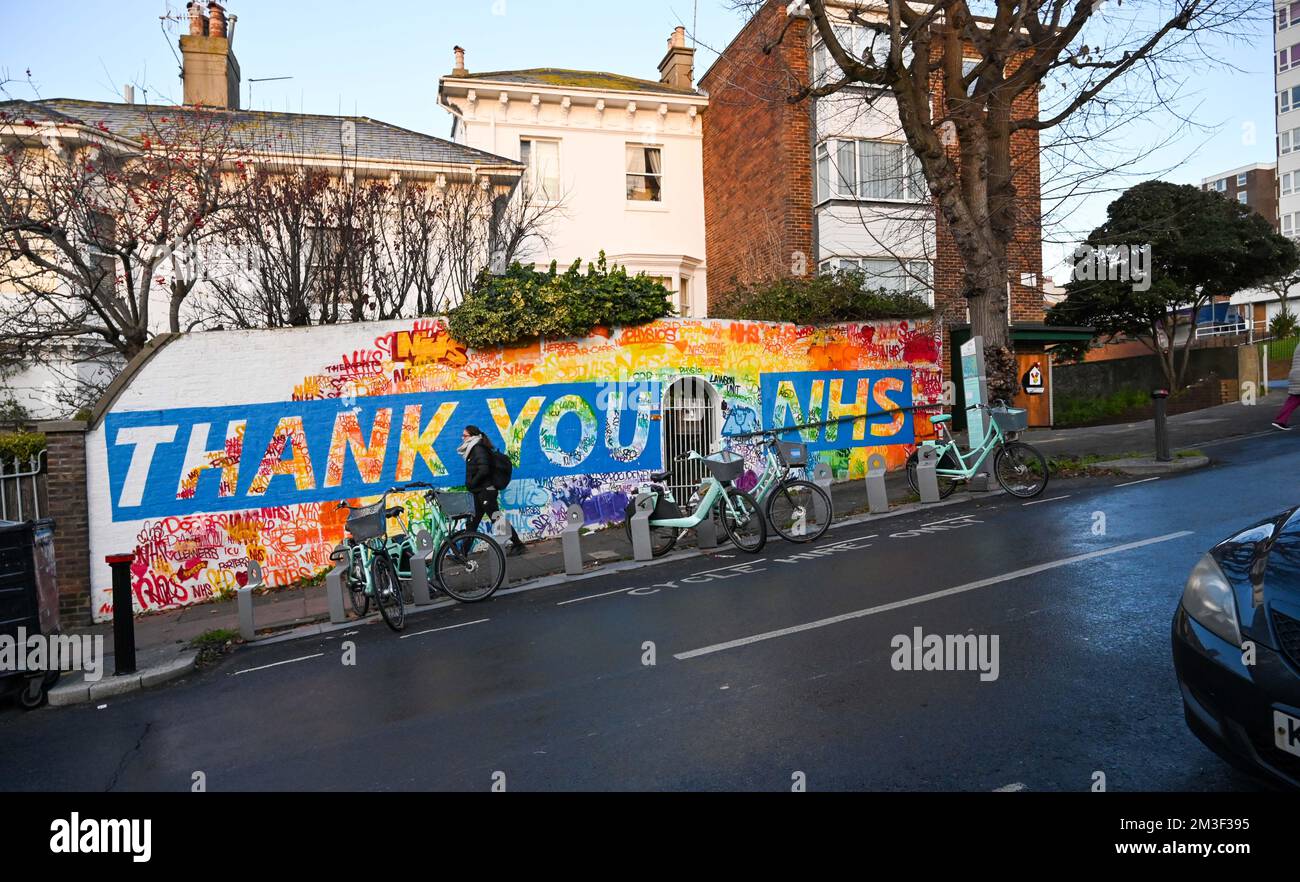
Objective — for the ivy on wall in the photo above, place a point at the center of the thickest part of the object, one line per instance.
(524, 304)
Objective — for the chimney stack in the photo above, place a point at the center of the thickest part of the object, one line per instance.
(459, 70)
(678, 67)
(209, 68)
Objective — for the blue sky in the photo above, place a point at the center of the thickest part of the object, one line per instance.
(383, 59)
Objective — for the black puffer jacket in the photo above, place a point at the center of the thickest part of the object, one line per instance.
(478, 467)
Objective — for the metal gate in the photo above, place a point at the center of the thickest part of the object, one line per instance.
(690, 422)
(22, 488)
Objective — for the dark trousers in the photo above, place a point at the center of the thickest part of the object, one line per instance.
(485, 505)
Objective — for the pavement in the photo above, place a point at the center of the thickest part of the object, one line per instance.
(734, 671)
(303, 612)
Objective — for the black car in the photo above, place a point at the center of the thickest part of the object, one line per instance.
(1236, 640)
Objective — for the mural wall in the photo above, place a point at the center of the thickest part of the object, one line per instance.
(230, 447)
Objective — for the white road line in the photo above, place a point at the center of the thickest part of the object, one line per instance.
(444, 628)
(733, 566)
(1011, 788)
(1040, 501)
(593, 596)
(948, 520)
(924, 598)
(277, 664)
(700, 573)
(1143, 481)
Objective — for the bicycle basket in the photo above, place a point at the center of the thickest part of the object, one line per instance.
(792, 454)
(725, 466)
(1011, 419)
(367, 522)
(456, 504)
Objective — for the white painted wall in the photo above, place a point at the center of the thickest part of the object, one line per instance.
(658, 238)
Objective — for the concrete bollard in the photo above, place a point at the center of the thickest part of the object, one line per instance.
(335, 589)
(641, 548)
(421, 590)
(706, 531)
(877, 494)
(823, 477)
(572, 540)
(244, 601)
(927, 482)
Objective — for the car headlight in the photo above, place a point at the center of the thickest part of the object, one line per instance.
(1209, 599)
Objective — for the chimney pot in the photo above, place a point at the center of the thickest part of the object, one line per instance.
(459, 70)
(198, 21)
(128, 93)
(216, 20)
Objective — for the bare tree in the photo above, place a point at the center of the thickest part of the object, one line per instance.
(91, 222)
(965, 78)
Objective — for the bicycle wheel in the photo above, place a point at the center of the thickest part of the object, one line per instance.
(743, 521)
(799, 511)
(388, 591)
(1020, 469)
(356, 576)
(470, 566)
(662, 539)
(946, 484)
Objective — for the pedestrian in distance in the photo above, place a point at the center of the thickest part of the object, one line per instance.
(487, 472)
(1281, 421)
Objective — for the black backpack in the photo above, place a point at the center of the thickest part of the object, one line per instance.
(502, 468)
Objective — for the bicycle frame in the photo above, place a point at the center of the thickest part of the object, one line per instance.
(702, 511)
(774, 473)
(974, 458)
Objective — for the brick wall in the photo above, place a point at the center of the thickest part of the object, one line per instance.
(758, 181)
(65, 444)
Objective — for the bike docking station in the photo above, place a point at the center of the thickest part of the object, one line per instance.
(877, 494)
(244, 601)
(927, 480)
(420, 561)
(571, 539)
(641, 548)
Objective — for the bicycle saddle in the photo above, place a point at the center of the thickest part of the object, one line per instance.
(660, 476)
(941, 418)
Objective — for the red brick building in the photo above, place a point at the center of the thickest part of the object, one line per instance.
(794, 187)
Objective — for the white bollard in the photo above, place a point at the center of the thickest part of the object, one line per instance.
(706, 531)
(571, 540)
(823, 477)
(927, 482)
(244, 600)
(641, 548)
(421, 590)
(334, 590)
(877, 494)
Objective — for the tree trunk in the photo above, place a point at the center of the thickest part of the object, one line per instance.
(986, 292)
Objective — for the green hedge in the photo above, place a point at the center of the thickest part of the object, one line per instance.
(524, 304)
(21, 446)
(814, 300)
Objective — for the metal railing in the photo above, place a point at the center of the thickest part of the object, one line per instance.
(22, 486)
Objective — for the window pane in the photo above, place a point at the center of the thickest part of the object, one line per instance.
(823, 174)
(644, 174)
(846, 170)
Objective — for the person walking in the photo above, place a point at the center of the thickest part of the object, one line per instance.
(480, 471)
(1293, 395)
